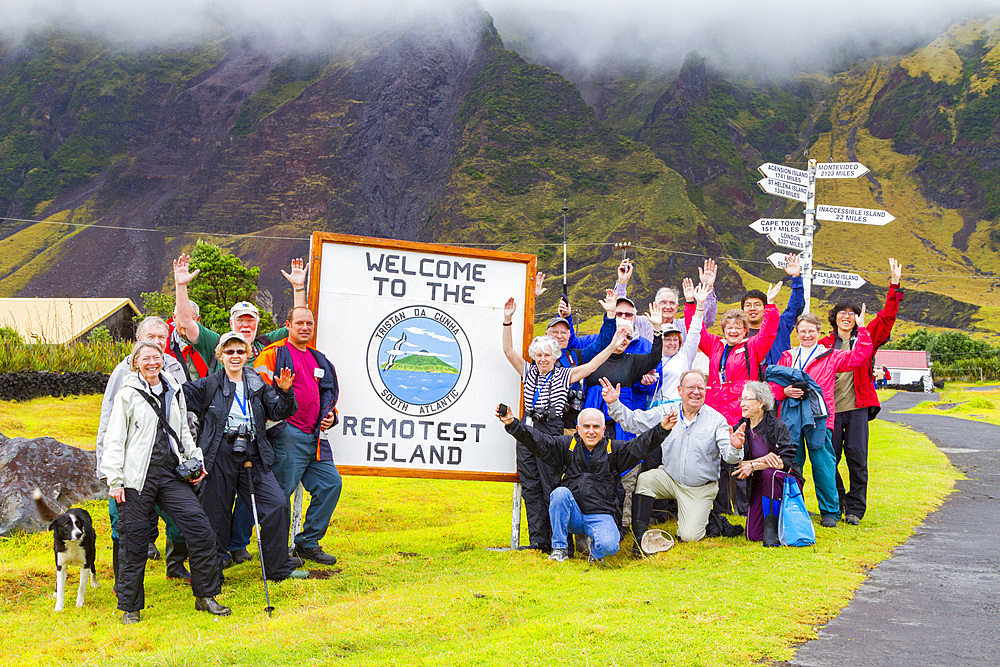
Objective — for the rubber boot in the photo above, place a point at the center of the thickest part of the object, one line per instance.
(771, 530)
(174, 556)
(642, 509)
(114, 565)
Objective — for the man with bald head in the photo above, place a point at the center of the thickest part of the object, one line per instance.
(585, 502)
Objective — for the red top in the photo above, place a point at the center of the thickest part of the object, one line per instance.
(725, 396)
(879, 329)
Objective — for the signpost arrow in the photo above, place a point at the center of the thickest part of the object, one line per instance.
(837, 279)
(864, 216)
(786, 240)
(840, 169)
(777, 260)
(768, 225)
(783, 173)
(773, 186)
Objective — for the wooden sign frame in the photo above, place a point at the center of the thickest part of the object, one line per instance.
(528, 310)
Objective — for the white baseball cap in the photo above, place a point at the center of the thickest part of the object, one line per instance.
(244, 308)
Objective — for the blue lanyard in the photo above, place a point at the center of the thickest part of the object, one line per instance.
(802, 366)
(538, 387)
(722, 363)
(242, 404)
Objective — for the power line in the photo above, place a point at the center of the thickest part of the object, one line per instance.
(727, 258)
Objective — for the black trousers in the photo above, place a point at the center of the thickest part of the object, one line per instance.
(229, 479)
(178, 499)
(538, 478)
(732, 496)
(850, 439)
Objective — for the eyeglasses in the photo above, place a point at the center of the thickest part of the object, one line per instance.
(846, 312)
(693, 387)
(230, 353)
(744, 399)
(624, 316)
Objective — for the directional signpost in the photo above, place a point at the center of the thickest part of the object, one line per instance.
(840, 169)
(864, 216)
(783, 173)
(768, 225)
(773, 186)
(796, 242)
(837, 279)
(797, 233)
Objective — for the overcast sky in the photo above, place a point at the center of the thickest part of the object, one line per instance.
(769, 34)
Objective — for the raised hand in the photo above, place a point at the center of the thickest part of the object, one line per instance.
(687, 285)
(861, 318)
(563, 308)
(895, 271)
(772, 291)
(182, 270)
(738, 437)
(655, 314)
(509, 309)
(539, 279)
(793, 266)
(505, 418)
(297, 277)
(609, 302)
(609, 393)
(625, 270)
(621, 336)
(284, 380)
(708, 273)
(669, 420)
(701, 293)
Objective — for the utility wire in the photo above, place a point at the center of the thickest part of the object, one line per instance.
(480, 245)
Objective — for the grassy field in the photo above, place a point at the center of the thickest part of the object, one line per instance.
(417, 585)
(963, 401)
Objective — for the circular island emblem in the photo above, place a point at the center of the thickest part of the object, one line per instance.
(419, 360)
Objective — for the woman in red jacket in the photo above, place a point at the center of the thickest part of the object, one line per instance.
(822, 364)
(733, 360)
(854, 396)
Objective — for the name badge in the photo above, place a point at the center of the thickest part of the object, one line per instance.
(318, 373)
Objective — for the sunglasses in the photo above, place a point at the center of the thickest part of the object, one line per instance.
(230, 353)
(625, 316)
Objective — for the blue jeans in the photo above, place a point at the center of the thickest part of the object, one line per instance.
(295, 461)
(566, 517)
(824, 472)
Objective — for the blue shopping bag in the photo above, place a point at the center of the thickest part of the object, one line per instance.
(795, 528)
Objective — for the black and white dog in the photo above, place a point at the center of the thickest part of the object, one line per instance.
(73, 542)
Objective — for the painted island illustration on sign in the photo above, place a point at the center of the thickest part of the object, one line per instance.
(419, 360)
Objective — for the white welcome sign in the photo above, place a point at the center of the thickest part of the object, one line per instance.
(414, 331)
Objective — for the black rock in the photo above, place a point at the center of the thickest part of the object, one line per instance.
(64, 474)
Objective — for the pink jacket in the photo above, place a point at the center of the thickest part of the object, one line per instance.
(824, 366)
(725, 397)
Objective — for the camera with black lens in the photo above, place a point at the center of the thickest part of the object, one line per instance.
(190, 470)
(543, 414)
(240, 437)
(575, 400)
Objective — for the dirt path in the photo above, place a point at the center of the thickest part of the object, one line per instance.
(935, 602)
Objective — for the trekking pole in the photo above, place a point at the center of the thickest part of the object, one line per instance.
(260, 546)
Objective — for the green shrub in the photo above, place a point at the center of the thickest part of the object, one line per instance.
(96, 355)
